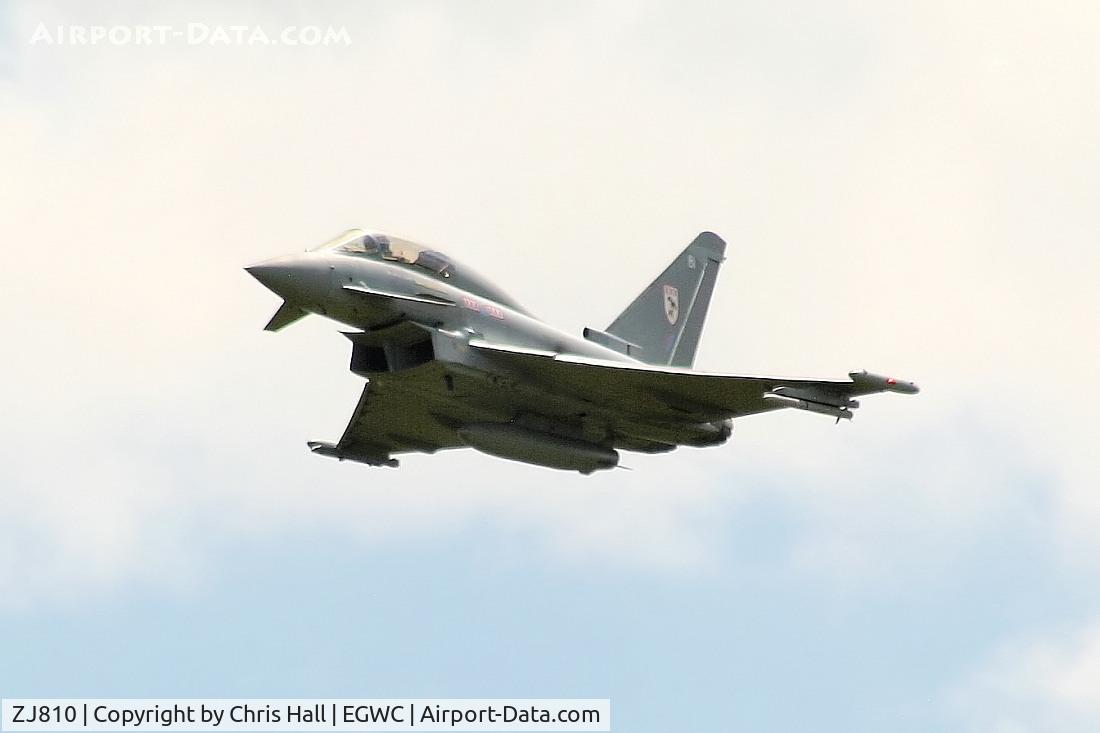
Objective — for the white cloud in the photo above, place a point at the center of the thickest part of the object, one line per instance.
(908, 191)
(1038, 685)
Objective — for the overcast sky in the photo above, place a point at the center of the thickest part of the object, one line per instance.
(906, 188)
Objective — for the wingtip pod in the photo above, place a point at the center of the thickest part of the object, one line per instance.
(334, 451)
(882, 383)
(323, 449)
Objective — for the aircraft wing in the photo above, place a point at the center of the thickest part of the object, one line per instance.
(394, 416)
(681, 395)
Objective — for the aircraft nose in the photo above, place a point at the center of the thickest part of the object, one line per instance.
(277, 275)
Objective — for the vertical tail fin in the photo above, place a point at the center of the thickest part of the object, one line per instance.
(664, 323)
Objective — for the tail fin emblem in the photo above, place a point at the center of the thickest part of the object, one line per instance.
(672, 303)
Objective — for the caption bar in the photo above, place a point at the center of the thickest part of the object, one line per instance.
(306, 715)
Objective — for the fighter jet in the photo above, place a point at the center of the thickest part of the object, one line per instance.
(451, 361)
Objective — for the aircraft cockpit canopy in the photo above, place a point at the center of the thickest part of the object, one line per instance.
(386, 247)
(396, 249)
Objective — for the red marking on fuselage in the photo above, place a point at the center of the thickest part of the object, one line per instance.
(487, 308)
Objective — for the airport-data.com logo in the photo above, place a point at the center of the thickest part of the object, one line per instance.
(191, 34)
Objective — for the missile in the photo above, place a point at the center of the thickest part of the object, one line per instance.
(840, 413)
(880, 383)
(506, 440)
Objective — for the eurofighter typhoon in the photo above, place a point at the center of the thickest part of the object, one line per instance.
(451, 361)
